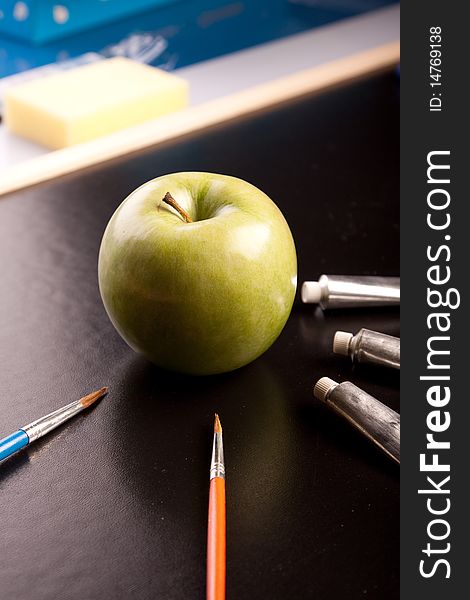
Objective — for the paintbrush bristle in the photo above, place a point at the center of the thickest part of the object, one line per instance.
(217, 425)
(93, 397)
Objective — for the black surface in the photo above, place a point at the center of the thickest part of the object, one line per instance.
(114, 504)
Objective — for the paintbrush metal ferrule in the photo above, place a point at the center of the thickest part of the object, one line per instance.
(217, 461)
(44, 425)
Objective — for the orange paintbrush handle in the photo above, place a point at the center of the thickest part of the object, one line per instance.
(216, 541)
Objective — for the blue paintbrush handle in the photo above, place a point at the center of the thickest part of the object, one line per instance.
(13, 443)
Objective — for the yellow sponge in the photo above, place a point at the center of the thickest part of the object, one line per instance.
(90, 101)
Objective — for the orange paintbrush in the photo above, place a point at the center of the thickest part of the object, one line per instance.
(216, 524)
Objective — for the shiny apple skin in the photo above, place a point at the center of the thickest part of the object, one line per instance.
(203, 297)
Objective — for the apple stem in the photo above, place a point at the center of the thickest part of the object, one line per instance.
(168, 199)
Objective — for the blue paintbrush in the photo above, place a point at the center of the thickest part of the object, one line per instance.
(29, 433)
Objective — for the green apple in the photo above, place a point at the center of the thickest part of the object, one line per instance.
(204, 286)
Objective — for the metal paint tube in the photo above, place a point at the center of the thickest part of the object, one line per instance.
(369, 347)
(368, 415)
(342, 291)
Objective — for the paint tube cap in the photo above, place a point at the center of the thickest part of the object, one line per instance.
(323, 387)
(311, 292)
(341, 342)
